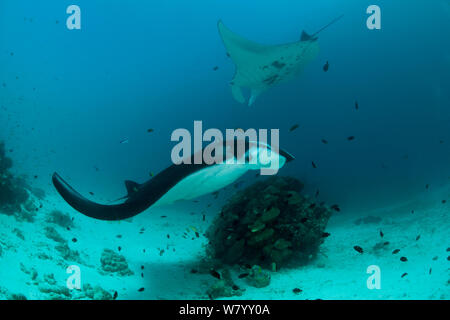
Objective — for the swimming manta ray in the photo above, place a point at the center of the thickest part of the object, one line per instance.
(177, 182)
(260, 67)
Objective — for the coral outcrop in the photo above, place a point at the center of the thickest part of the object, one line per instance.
(267, 225)
(14, 197)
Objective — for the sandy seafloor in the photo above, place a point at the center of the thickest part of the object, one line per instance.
(339, 272)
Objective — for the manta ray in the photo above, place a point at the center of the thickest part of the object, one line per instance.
(260, 67)
(177, 182)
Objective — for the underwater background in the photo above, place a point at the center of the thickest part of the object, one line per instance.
(68, 99)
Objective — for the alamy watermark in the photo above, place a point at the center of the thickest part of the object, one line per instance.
(249, 147)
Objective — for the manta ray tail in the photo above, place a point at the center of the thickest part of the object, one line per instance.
(306, 37)
(95, 210)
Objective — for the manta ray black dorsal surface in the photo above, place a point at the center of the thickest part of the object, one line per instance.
(176, 182)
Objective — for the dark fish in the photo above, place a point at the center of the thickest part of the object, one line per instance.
(295, 126)
(418, 237)
(381, 234)
(312, 206)
(115, 295)
(317, 193)
(124, 141)
(215, 274)
(142, 267)
(74, 240)
(304, 220)
(141, 289)
(356, 105)
(150, 130)
(204, 218)
(297, 290)
(326, 66)
(243, 275)
(324, 141)
(235, 287)
(444, 201)
(119, 248)
(405, 274)
(427, 186)
(216, 68)
(359, 249)
(194, 271)
(403, 259)
(197, 235)
(396, 251)
(335, 207)
(326, 234)
(313, 165)
(429, 272)
(351, 138)
(91, 193)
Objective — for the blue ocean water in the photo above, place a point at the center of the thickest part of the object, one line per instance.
(69, 97)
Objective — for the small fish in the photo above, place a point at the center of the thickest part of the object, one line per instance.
(312, 206)
(405, 274)
(324, 141)
(216, 68)
(115, 295)
(295, 126)
(243, 275)
(356, 105)
(194, 271)
(74, 240)
(359, 249)
(141, 289)
(429, 272)
(119, 248)
(215, 274)
(313, 165)
(403, 259)
(297, 290)
(444, 201)
(427, 186)
(418, 237)
(381, 234)
(336, 208)
(151, 174)
(326, 234)
(124, 141)
(197, 235)
(304, 220)
(150, 130)
(91, 193)
(203, 217)
(396, 251)
(317, 193)
(326, 66)
(351, 138)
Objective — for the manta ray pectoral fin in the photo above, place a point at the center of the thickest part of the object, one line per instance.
(92, 209)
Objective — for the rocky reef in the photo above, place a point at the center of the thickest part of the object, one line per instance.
(14, 196)
(268, 224)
